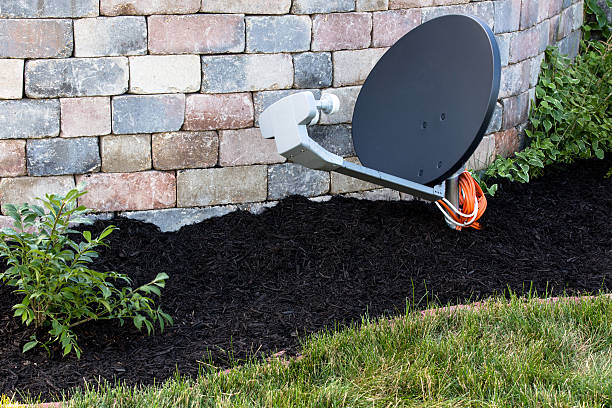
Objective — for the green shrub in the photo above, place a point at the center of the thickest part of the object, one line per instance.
(570, 118)
(50, 270)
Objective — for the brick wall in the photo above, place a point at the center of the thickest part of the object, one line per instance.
(155, 104)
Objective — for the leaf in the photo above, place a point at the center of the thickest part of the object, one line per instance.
(29, 345)
(87, 236)
(547, 125)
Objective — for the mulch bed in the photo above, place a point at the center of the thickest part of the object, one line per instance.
(245, 284)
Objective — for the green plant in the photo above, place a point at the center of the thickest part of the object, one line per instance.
(570, 118)
(50, 270)
(596, 25)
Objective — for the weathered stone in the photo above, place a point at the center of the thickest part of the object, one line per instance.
(321, 6)
(110, 36)
(196, 34)
(529, 14)
(496, 119)
(371, 5)
(341, 31)
(12, 158)
(312, 70)
(353, 67)
(11, 79)
(484, 10)
(26, 118)
(536, 63)
(389, 26)
(257, 208)
(225, 185)
(146, 190)
(341, 183)
(570, 45)
(278, 34)
(185, 150)
(148, 113)
(402, 4)
(348, 98)
(36, 38)
(290, 179)
(246, 6)
(42, 9)
(525, 44)
(251, 72)
(516, 109)
(555, 7)
(337, 139)
(125, 153)
(246, 146)
(380, 194)
(554, 28)
(544, 30)
(220, 111)
(507, 15)
(262, 100)
(22, 190)
(154, 74)
(571, 19)
(57, 156)
(507, 142)
(514, 79)
(76, 77)
(503, 42)
(85, 116)
(484, 154)
(147, 7)
(173, 219)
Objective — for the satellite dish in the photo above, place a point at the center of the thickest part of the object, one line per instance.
(427, 103)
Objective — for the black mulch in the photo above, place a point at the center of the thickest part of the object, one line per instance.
(247, 283)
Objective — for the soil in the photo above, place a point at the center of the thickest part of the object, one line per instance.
(244, 285)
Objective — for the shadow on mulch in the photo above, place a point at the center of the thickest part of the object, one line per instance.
(244, 284)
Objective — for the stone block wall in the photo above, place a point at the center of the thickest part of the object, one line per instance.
(155, 104)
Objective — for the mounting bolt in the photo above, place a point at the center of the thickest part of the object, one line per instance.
(329, 103)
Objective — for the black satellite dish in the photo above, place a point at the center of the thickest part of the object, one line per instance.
(427, 103)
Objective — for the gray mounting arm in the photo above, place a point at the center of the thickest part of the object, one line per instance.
(286, 121)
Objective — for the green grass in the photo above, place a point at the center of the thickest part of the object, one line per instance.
(506, 354)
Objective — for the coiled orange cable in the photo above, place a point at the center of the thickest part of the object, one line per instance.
(472, 204)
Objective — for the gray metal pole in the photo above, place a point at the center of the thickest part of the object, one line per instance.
(452, 192)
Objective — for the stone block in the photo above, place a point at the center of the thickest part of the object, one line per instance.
(185, 150)
(125, 153)
(312, 70)
(154, 74)
(220, 111)
(570, 45)
(246, 6)
(554, 7)
(514, 79)
(389, 26)
(341, 31)
(199, 187)
(11, 78)
(544, 30)
(570, 20)
(524, 44)
(353, 67)
(12, 158)
(110, 36)
(534, 70)
(483, 10)
(503, 42)
(371, 5)
(148, 7)
(72, 77)
(554, 28)
(402, 4)
(196, 34)
(22, 190)
(348, 98)
(507, 15)
(148, 113)
(380, 194)
(496, 119)
(341, 183)
(516, 109)
(337, 139)
(58, 156)
(25, 118)
(251, 72)
(293, 179)
(484, 154)
(36, 38)
(278, 33)
(43, 9)
(321, 6)
(257, 208)
(173, 219)
(246, 146)
(529, 13)
(262, 100)
(146, 190)
(85, 116)
(507, 142)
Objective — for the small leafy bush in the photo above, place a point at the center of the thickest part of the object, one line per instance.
(50, 270)
(570, 118)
